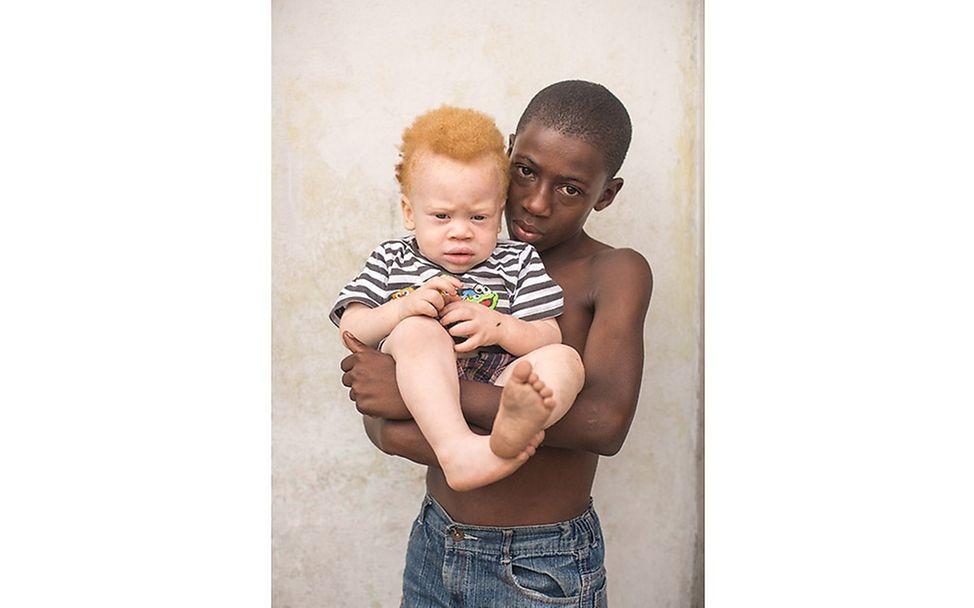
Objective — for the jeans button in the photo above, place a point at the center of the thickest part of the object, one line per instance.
(456, 533)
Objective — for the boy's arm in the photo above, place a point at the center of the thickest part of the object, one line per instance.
(599, 419)
(613, 357)
(484, 327)
(400, 438)
(403, 438)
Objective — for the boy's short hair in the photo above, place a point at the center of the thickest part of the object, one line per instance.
(585, 110)
(458, 133)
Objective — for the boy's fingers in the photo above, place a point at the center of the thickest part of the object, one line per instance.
(352, 343)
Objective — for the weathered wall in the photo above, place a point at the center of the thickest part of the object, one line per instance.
(347, 78)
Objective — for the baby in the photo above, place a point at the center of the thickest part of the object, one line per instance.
(452, 302)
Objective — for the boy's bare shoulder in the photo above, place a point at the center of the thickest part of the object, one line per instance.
(613, 264)
(621, 275)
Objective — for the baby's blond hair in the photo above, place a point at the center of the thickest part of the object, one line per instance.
(458, 133)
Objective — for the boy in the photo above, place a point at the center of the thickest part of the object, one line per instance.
(454, 176)
(565, 153)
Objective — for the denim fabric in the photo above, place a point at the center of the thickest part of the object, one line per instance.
(453, 565)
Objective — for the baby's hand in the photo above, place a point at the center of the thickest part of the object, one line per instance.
(430, 298)
(479, 324)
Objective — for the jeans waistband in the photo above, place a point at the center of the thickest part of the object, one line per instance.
(567, 536)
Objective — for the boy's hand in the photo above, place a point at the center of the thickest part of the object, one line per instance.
(371, 379)
(479, 324)
(431, 297)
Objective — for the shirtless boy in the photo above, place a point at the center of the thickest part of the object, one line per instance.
(566, 150)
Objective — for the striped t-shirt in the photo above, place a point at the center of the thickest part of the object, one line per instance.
(512, 280)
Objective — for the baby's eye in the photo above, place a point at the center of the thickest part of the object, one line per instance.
(479, 218)
(441, 216)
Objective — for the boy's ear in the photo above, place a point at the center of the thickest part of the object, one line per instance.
(612, 187)
(407, 213)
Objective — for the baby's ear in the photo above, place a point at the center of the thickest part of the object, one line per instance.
(407, 213)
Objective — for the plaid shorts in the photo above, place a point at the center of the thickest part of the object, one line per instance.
(483, 366)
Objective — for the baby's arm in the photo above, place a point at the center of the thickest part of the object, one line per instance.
(483, 327)
(371, 325)
(520, 337)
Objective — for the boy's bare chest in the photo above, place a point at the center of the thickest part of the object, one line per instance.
(576, 281)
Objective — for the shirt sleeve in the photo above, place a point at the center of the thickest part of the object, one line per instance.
(370, 287)
(536, 296)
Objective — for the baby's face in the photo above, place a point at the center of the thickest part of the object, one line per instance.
(455, 208)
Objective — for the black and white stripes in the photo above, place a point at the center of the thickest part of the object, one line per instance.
(513, 271)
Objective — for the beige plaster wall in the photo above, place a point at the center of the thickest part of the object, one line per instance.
(347, 78)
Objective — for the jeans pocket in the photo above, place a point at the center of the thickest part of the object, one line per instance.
(547, 578)
(600, 597)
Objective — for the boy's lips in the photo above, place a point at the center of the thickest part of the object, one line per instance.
(524, 231)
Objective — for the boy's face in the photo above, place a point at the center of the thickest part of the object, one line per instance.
(556, 181)
(455, 208)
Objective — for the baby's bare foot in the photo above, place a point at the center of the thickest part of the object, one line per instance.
(526, 404)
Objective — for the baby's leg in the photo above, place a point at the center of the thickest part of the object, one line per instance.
(538, 389)
(427, 376)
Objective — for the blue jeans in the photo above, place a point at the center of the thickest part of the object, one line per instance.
(453, 565)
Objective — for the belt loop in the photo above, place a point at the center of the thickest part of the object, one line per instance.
(568, 531)
(506, 549)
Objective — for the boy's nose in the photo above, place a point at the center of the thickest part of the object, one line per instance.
(537, 203)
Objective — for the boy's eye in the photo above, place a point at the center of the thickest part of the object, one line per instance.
(525, 171)
(571, 190)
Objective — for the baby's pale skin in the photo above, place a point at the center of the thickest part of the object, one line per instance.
(455, 208)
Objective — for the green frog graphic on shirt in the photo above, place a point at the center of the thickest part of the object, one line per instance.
(479, 294)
